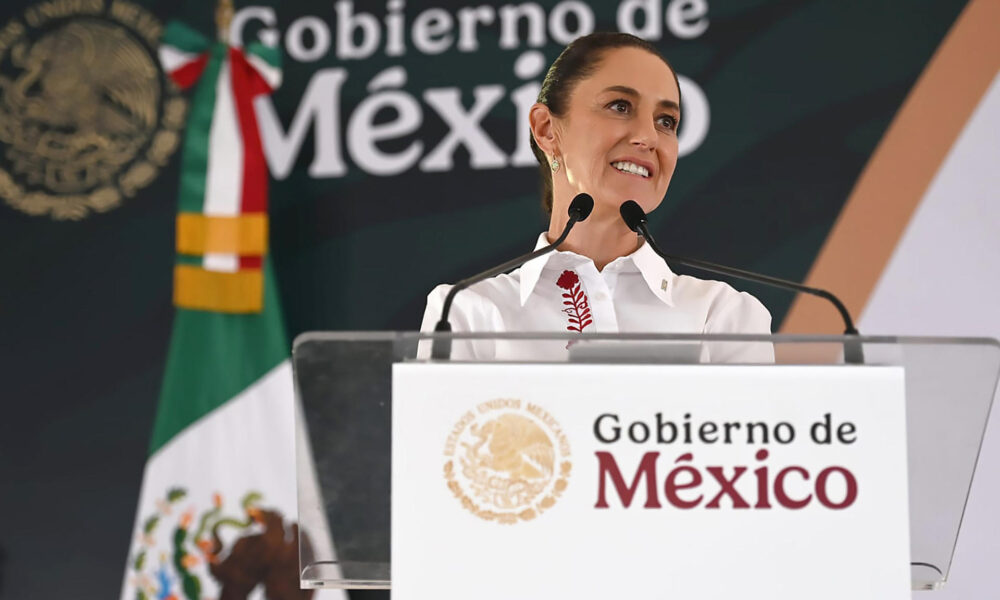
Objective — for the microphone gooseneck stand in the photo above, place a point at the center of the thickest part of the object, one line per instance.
(579, 209)
(635, 218)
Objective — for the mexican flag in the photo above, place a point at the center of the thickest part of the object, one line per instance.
(218, 502)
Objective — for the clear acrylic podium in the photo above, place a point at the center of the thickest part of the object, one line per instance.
(344, 387)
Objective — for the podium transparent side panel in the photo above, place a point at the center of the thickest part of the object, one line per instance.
(344, 388)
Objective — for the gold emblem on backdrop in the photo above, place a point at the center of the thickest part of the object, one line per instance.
(507, 461)
(87, 118)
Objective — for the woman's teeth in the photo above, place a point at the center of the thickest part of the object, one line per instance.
(629, 167)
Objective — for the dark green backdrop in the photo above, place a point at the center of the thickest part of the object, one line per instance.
(800, 93)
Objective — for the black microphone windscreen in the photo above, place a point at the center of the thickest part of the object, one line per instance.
(632, 214)
(582, 205)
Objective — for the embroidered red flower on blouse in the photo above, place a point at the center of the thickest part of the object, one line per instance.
(575, 300)
(568, 279)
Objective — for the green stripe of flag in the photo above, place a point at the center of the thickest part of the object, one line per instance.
(215, 356)
(184, 38)
(268, 54)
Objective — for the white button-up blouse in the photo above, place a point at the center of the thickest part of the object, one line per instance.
(564, 291)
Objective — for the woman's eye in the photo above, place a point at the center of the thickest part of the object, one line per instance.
(668, 122)
(620, 106)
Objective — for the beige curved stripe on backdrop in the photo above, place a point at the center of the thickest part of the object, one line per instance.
(900, 170)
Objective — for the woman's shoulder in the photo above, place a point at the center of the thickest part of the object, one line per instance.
(476, 305)
(491, 290)
(727, 310)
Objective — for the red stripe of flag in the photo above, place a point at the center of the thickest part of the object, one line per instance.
(188, 75)
(254, 193)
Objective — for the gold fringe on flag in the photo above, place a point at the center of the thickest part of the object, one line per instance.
(232, 292)
(245, 235)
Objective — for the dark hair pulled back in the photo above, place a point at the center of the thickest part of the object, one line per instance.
(577, 62)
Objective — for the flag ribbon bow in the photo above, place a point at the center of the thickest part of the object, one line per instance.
(222, 224)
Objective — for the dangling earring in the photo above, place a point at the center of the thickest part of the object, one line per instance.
(555, 165)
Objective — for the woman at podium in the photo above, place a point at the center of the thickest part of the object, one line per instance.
(605, 124)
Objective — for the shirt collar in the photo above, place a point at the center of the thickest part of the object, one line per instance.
(532, 270)
(654, 270)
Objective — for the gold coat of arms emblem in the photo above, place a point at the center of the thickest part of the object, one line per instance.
(507, 461)
(87, 118)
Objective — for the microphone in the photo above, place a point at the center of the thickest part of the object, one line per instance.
(579, 209)
(635, 218)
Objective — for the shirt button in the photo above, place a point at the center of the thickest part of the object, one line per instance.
(600, 296)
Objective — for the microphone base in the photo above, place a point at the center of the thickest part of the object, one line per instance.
(441, 348)
(853, 353)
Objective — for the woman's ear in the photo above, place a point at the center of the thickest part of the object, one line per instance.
(543, 129)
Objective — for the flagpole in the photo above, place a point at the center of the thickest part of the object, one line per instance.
(223, 17)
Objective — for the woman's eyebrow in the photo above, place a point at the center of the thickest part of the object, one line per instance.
(624, 89)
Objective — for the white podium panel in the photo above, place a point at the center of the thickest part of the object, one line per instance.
(539, 481)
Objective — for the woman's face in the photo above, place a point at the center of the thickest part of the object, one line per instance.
(618, 138)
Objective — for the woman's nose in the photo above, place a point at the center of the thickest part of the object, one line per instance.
(644, 134)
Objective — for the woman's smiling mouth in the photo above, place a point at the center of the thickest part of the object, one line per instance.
(631, 168)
